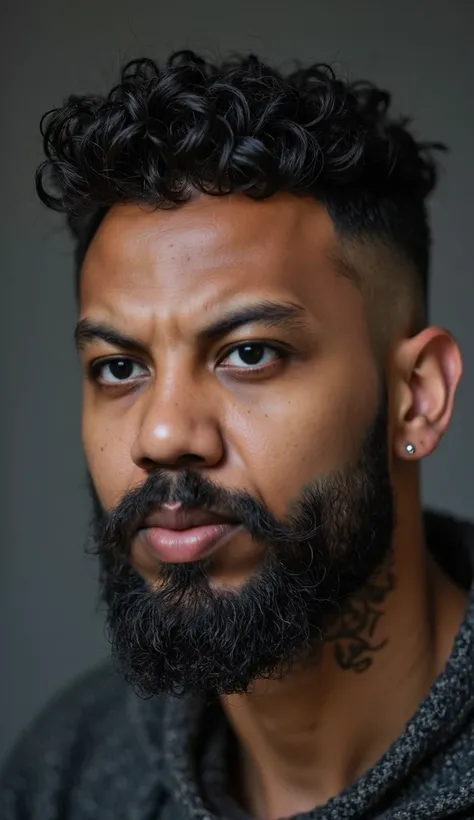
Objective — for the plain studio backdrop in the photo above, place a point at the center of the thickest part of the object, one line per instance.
(421, 50)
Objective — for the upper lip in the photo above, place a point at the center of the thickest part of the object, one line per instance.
(185, 518)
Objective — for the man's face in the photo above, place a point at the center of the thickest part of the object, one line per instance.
(278, 424)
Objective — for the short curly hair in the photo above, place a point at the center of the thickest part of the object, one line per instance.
(166, 132)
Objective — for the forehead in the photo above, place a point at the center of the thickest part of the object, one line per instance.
(209, 250)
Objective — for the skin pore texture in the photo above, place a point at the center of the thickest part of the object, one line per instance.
(158, 277)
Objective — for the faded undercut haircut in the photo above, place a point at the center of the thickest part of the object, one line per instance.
(168, 132)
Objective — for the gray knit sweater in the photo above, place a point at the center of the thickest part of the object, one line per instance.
(101, 752)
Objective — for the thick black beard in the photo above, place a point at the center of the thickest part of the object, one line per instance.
(186, 636)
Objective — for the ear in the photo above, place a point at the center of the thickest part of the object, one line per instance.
(428, 369)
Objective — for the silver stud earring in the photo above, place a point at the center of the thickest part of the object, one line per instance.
(410, 448)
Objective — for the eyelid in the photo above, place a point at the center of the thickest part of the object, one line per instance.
(283, 351)
(94, 368)
(274, 345)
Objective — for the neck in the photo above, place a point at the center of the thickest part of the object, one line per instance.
(306, 737)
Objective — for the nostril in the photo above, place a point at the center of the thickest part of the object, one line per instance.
(189, 458)
(147, 464)
(181, 462)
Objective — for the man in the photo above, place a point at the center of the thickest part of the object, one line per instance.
(292, 637)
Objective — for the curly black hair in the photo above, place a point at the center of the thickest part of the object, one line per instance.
(164, 133)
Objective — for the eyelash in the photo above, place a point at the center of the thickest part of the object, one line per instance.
(95, 367)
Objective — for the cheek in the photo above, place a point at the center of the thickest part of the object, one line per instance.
(107, 454)
(314, 428)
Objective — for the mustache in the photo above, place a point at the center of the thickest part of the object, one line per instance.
(116, 527)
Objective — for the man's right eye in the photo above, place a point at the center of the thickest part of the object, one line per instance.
(117, 371)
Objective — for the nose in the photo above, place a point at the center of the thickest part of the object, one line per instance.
(177, 430)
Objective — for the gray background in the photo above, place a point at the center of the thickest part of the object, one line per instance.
(420, 49)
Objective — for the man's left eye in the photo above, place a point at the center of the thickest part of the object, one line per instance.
(252, 354)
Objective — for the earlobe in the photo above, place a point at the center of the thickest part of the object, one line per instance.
(430, 366)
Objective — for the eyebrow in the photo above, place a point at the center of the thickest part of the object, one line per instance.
(88, 331)
(268, 313)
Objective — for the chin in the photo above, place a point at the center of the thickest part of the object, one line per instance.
(228, 581)
(217, 578)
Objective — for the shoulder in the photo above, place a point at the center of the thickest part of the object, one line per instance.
(83, 725)
(86, 702)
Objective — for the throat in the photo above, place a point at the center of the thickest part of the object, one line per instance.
(309, 735)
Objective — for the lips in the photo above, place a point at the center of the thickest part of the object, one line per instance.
(184, 534)
(177, 517)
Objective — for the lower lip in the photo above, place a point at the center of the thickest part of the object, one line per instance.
(182, 546)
